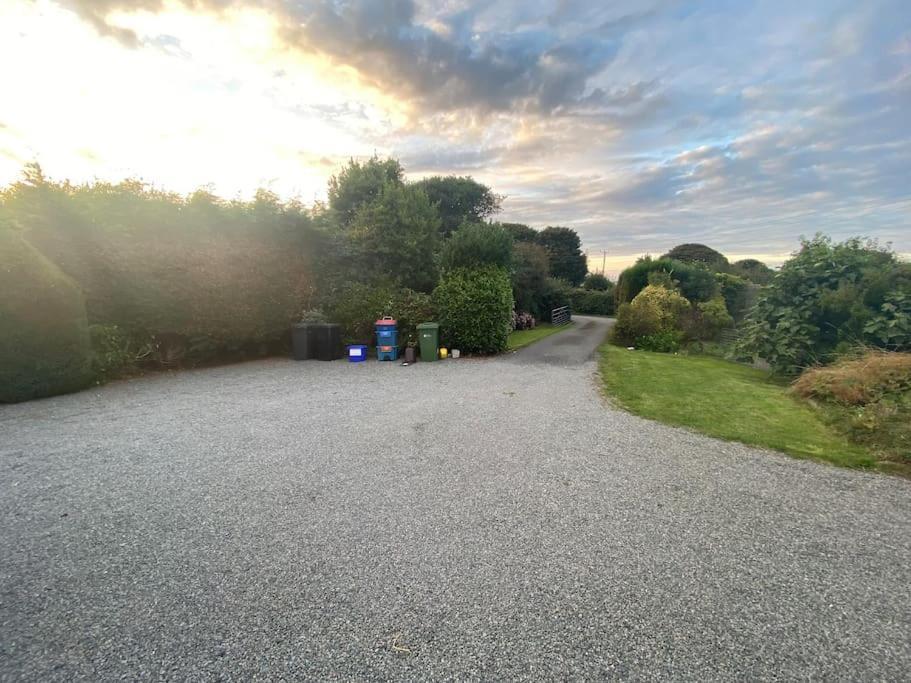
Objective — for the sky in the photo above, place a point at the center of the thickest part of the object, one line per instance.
(640, 123)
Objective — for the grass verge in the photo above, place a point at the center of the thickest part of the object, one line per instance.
(520, 338)
(724, 400)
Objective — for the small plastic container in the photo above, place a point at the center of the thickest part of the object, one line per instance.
(455, 353)
(357, 353)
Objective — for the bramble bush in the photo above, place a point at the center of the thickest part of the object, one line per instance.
(474, 308)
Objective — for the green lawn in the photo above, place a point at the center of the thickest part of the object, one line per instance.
(724, 400)
(521, 338)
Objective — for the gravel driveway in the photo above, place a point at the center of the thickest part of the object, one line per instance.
(470, 519)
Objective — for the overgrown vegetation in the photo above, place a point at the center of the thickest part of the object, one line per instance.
(868, 398)
(474, 308)
(827, 299)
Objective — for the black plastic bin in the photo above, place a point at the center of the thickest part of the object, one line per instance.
(303, 341)
(327, 338)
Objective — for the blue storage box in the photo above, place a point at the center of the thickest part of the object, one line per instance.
(357, 353)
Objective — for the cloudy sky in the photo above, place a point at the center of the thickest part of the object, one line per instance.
(641, 123)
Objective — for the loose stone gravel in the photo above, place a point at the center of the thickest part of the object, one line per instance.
(469, 519)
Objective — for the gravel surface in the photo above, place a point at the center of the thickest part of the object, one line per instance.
(470, 519)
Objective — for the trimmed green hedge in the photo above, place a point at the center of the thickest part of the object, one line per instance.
(474, 306)
(44, 338)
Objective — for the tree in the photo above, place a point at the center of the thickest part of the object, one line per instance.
(531, 268)
(459, 200)
(698, 253)
(755, 271)
(396, 236)
(521, 232)
(477, 244)
(597, 282)
(358, 184)
(567, 262)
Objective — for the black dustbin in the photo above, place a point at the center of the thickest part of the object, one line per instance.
(327, 339)
(303, 341)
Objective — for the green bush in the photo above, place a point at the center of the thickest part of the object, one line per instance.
(698, 254)
(755, 271)
(695, 282)
(592, 302)
(654, 310)
(44, 340)
(828, 297)
(712, 318)
(475, 245)
(115, 352)
(474, 309)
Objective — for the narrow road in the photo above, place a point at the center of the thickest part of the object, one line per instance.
(575, 346)
(467, 519)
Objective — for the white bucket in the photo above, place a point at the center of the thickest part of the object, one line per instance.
(455, 353)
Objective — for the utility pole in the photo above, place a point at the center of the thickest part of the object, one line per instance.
(603, 260)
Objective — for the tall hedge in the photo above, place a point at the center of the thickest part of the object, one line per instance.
(44, 339)
(474, 308)
(202, 277)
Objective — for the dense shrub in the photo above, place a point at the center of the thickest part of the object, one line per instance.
(474, 307)
(475, 245)
(115, 352)
(653, 311)
(556, 293)
(666, 341)
(357, 307)
(695, 282)
(826, 298)
(592, 302)
(44, 340)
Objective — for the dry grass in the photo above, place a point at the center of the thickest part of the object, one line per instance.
(867, 398)
(858, 381)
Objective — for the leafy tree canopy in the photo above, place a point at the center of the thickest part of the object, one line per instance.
(397, 236)
(521, 232)
(475, 245)
(567, 262)
(697, 253)
(755, 271)
(459, 200)
(359, 184)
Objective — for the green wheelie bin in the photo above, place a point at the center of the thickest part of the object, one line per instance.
(429, 340)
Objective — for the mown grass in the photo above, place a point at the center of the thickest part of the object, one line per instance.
(724, 400)
(520, 338)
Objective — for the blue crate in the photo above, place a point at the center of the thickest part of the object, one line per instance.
(387, 337)
(357, 353)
